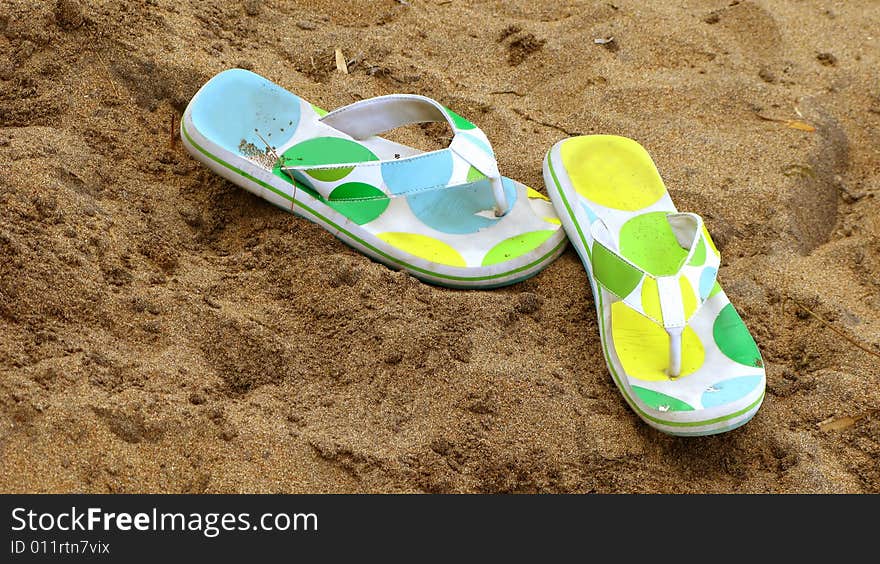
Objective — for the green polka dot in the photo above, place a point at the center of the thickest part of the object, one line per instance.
(300, 180)
(460, 122)
(356, 191)
(473, 175)
(699, 256)
(348, 199)
(327, 151)
(359, 202)
(648, 241)
(320, 111)
(516, 246)
(715, 289)
(613, 273)
(733, 338)
(655, 400)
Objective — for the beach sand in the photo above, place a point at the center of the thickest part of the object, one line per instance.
(162, 330)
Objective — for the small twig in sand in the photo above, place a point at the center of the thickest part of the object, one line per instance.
(341, 65)
(792, 123)
(834, 423)
(514, 92)
(546, 124)
(829, 325)
(280, 162)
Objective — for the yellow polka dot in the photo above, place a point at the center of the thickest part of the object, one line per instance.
(688, 299)
(553, 220)
(424, 247)
(651, 299)
(612, 171)
(533, 194)
(643, 346)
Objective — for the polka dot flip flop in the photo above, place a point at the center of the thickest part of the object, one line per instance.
(674, 344)
(447, 216)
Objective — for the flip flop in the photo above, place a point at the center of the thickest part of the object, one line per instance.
(448, 216)
(674, 344)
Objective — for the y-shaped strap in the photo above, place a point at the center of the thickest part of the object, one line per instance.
(667, 300)
(374, 116)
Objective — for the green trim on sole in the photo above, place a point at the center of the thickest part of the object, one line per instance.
(567, 206)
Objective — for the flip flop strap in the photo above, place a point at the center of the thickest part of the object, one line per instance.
(374, 116)
(669, 301)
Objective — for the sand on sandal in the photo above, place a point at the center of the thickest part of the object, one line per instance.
(162, 330)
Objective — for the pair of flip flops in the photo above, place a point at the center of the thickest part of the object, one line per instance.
(675, 346)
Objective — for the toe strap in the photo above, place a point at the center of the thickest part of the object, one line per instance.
(667, 300)
(469, 149)
(675, 333)
(673, 311)
(671, 300)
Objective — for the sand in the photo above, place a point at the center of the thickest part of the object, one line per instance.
(162, 330)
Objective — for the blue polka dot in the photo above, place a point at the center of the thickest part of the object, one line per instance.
(235, 102)
(590, 215)
(728, 391)
(419, 173)
(707, 280)
(479, 143)
(453, 210)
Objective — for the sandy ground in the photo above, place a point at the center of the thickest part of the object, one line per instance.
(162, 330)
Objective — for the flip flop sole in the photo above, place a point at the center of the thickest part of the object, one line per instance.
(507, 255)
(680, 423)
(264, 184)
